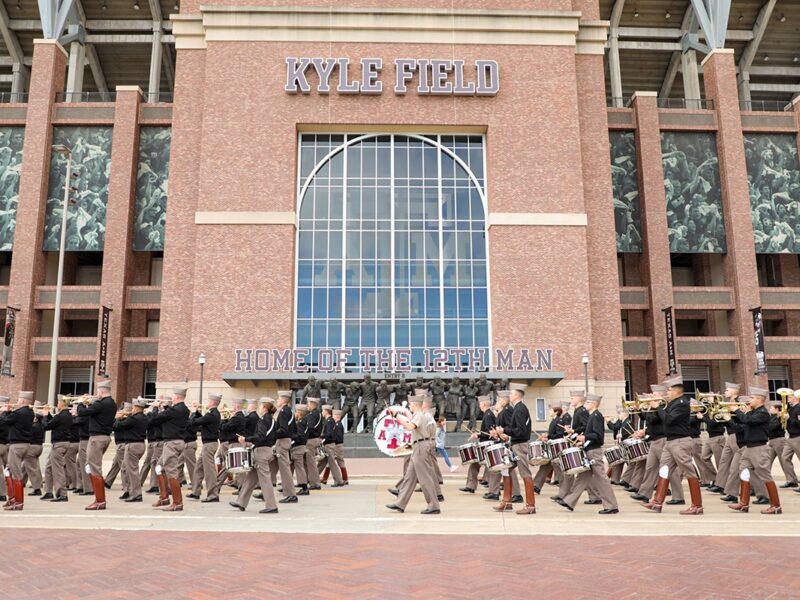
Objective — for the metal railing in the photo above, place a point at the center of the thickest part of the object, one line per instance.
(155, 97)
(685, 103)
(617, 102)
(764, 105)
(13, 97)
(86, 97)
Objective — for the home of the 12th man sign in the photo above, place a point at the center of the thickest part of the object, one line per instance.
(441, 77)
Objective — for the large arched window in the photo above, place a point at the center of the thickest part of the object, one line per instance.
(391, 248)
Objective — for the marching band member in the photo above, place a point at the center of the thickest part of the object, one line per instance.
(634, 473)
(329, 441)
(314, 420)
(755, 457)
(712, 447)
(338, 444)
(284, 430)
(298, 452)
(205, 469)
(793, 429)
(578, 423)
(229, 430)
(263, 441)
(504, 417)
(778, 443)
(438, 481)
(155, 444)
(707, 473)
(72, 452)
(33, 469)
(518, 433)
(655, 430)
(19, 421)
(622, 429)
(134, 427)
(173, 421)
(487, 424)
(422, 428)
(552, 468)
(4, 489)
(101, 414)
(119, 452)
(189, 456)
(59, 427)
(677, 451)
(592, 440)
(731, 448)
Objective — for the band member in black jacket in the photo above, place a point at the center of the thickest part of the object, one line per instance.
(313, 441)
(173, 421)
(284, 431)
(101, 415)
(592, 442)
(19, 422)
(487, 424)
(298, 452)
(755, 458)
(518, 433)
(553, 433)
(135, 428)
(208, 425)
(329, 439)
(263, 441)
(60, 427)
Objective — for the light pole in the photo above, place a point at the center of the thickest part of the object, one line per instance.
(64, 151)
(585, 359)
(201, 360)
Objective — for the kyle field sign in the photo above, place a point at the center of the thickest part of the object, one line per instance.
(438, 77)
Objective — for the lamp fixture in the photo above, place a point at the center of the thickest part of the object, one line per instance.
(766, 58)
(667, 15)
(635, 13)
(741, 18)
(136, 5)
(105, 6)
(783, 18)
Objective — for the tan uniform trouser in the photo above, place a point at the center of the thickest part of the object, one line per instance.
(56, 481)
(729, 452)
(3, 464)
(778, 448)
(95, 449)
(32, 467)
(72, 465)
(757, 461)
(707, 473)
(155, 460)
(145, 469)
(205, 468)
(311, 461)
(190, 460)
(16, 458)
(282, 460)
(595, 476)
(222, 454)
(261, 475)
(712, 448)
(171, 457)
(133, 454)
(677, 455)
(650, 477)
(332, 463)
(419, 469)
(83, 477)
(116, 465)
(298, 455)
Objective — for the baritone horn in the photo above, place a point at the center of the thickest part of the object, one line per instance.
(783, 415)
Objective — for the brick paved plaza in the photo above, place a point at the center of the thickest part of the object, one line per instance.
(358, 549)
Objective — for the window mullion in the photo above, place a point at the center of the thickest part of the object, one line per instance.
(439, 200)
(391, 239)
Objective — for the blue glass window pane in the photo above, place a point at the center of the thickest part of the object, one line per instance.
(401, 332)
(352, 273)
(478, 246)
(304, 303)
(450, 333)
(383, 302)
(417, 333)
(476, 206)
(432, 307)
(335, 334)
(368, 273)
(303, 333)
(351, 334)
(465, 333)
(383, 273)
(335, 241)
(336, 274)
(417, 357)
(480, 303)
(320, 334)
(305, 244)
(479, 274)
(321, 203)
(304, 272)
(384, 334)
(450, 302)
(352, 304)
(481, 333)
(368, 334)
(465, 303)
(434, 334)
(320, 273)
(368, 303)
(320, 303)
(334, 304)
(464, 274)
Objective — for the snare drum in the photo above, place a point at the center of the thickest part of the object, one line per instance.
(500, 457)
(538, 453)
(573, 461)
(239, 460)
(481, 450)
(635, 449)
(614, 456)
(557, 446)
(468, 453)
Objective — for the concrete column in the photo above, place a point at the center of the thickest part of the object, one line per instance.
(28, 265)
(19, 79)
(154, 84)
(740, 261)
(118, 255)
(656, 269)
(691, 77)
(614, 71)
(606, 363)
(77, 64)
(744, 87)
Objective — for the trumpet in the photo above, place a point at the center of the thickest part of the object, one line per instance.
(708, 398)
(783, 415)
(721, 410)
(225, 412)
(641, 404)
(85, 399)
(698, 408)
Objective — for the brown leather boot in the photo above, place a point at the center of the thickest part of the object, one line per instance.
(163, 495)
(325, 475)
(10, 492)
(344, 476)
(177, 497)
(774, 500)
(98, 486)
(657, 502)
(16, 495)
(530, 498)
(697, 498)
(744, 498)
(505, 503)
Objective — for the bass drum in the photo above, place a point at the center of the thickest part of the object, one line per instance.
(391, 438)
